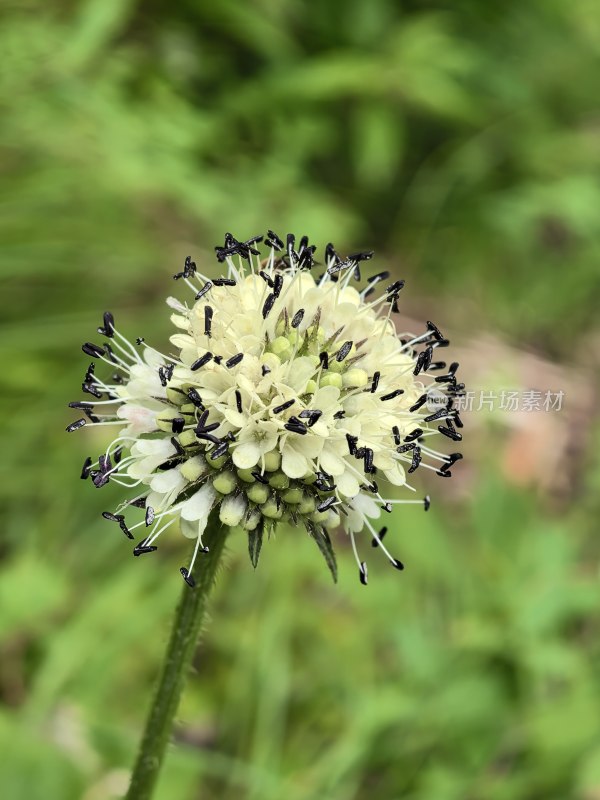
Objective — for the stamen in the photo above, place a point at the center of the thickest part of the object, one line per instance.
(363, 573)
(92, 350)
(75, 425)
(187, 577)
(406, 447)
(420, 402)
(313, 416)
(392, 395)
(207, 286)
(208, 315)
(326, 504)
(283, 406)
(294, 425)
(220, 450)
(200, 362)
(194, 396)
(416, 460)
(234, 360)
(266, 278)
(142, 548)
(224, 282)
(380, 535)
(297, 318)
(343, 351)
(268, 305)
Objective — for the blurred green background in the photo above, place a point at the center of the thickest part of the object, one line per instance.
(461, 140)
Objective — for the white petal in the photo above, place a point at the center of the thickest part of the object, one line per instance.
(173, 302)
(155, 500)
(141, 419)
(199, 505)
(168, 481)
(232, 510)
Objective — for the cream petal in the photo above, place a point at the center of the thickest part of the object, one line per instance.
(367, 506)
(348, 484)
(396, 475)
(246, 454)
(332, 463)
(179, 321)
(302, 370)
(309, 445)
(326, 398)
(293, 463)
(383, 461)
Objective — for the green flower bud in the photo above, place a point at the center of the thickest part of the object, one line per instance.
(216, 463)
(294, 338)
(188, 438)
(165, 419)
(246, 475)
(333, 519)
(331, 379)
(251, 520)
(355, 377)
(193, 468)
(225, 482)
(293, 495)
(257, 493)
(272, 460)
(177, 396)
(271, 510)
(281, 346)
(308, 505)
(279, 480)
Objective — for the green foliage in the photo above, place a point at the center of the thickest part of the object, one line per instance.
(460, 140)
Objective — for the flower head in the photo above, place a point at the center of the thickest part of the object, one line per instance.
(287, 398)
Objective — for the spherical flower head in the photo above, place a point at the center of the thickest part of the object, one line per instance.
(288, 398)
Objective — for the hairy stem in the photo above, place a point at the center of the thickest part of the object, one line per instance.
(178, 657)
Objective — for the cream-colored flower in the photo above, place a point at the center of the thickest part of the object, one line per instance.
(290, 399)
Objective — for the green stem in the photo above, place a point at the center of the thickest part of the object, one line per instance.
(178, 658)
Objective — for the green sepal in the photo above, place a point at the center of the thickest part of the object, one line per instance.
(255, 540)
(324, 544)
